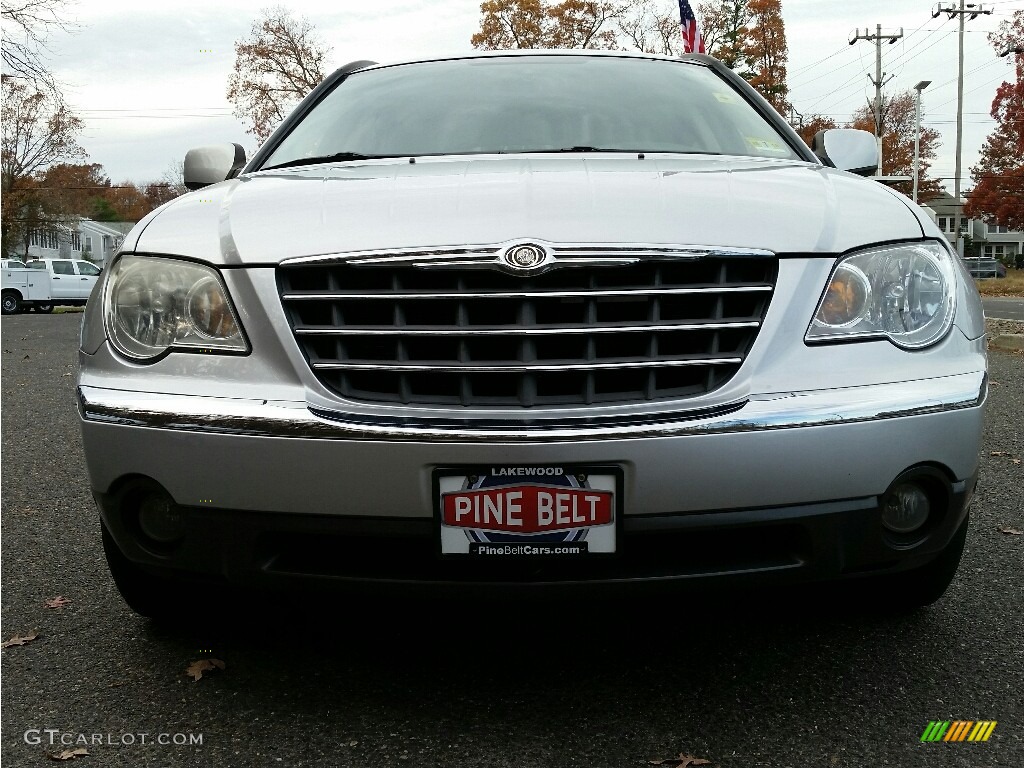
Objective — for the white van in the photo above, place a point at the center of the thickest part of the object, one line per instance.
(45, 283)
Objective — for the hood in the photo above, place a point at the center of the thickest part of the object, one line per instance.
(782, 206)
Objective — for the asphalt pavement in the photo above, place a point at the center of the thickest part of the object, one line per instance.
(1004, 308)
(797, 681)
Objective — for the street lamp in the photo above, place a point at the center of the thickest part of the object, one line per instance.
(1019, 51)
(917, 133)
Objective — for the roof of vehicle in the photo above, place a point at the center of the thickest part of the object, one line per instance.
(525, 52)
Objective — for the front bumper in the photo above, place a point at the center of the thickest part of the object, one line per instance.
(783, 486)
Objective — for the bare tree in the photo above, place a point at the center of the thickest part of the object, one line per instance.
(174, 177)
(275, 68)
(27, 25)
(652, 27)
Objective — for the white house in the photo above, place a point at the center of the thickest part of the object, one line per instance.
(999, 242)
(943, 210)
(94, 240)
(988, 241)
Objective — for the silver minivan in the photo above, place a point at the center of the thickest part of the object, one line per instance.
(541, 321)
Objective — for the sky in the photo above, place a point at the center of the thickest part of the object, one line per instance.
(150, 79)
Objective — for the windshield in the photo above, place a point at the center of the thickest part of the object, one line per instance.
(531, 104)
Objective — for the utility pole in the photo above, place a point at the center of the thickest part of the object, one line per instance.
(974, 11)
(877, 80)
(917, 132)
(796, 120)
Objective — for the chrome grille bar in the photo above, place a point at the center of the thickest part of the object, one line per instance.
(456, 327)
(524, 367)
(395, 296)
(538, 331)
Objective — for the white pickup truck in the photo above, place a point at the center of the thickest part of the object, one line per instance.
(45, 283)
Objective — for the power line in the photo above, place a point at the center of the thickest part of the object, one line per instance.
(819, 61)
(151, 117)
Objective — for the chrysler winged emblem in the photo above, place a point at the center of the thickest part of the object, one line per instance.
(525, 256)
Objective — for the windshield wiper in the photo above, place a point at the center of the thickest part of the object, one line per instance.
(585, 148)
(336, 157)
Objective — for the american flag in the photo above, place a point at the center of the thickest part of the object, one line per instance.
(693, 42)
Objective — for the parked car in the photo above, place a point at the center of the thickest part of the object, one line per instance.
(534, 320)
(71, 280)
(42, 284)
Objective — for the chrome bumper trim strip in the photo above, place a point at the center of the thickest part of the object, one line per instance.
(786, 410)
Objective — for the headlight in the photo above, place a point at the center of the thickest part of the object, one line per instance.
(904, 293)
(152, 305)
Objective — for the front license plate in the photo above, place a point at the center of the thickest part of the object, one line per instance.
(498, 512)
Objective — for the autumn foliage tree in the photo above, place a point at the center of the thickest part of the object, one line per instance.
(275, 67)
(767, 53)
(38, 133)
(506, 24)
(998, 195)
(899, 124)
(810, 126)
(726, 27)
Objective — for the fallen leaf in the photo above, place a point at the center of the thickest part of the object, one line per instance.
(196, 668)
(69, 754)
(998, 453)
(19, 640)
(1010, 531)
(1016, 461)
(56, 602)
(683, 761)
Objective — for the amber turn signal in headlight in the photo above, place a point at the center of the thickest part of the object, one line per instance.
(904, 293)
(846, 298)
(153, 305)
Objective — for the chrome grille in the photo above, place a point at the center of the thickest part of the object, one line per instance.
(451, 329)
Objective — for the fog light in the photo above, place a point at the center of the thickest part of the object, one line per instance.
(906, 508)
(160, 519)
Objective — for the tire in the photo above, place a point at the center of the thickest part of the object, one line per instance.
(908, 591)
(11, 303)
(156, 597)
(44, 307)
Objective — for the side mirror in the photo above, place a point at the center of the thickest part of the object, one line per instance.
(848, 150)
(208, 165)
